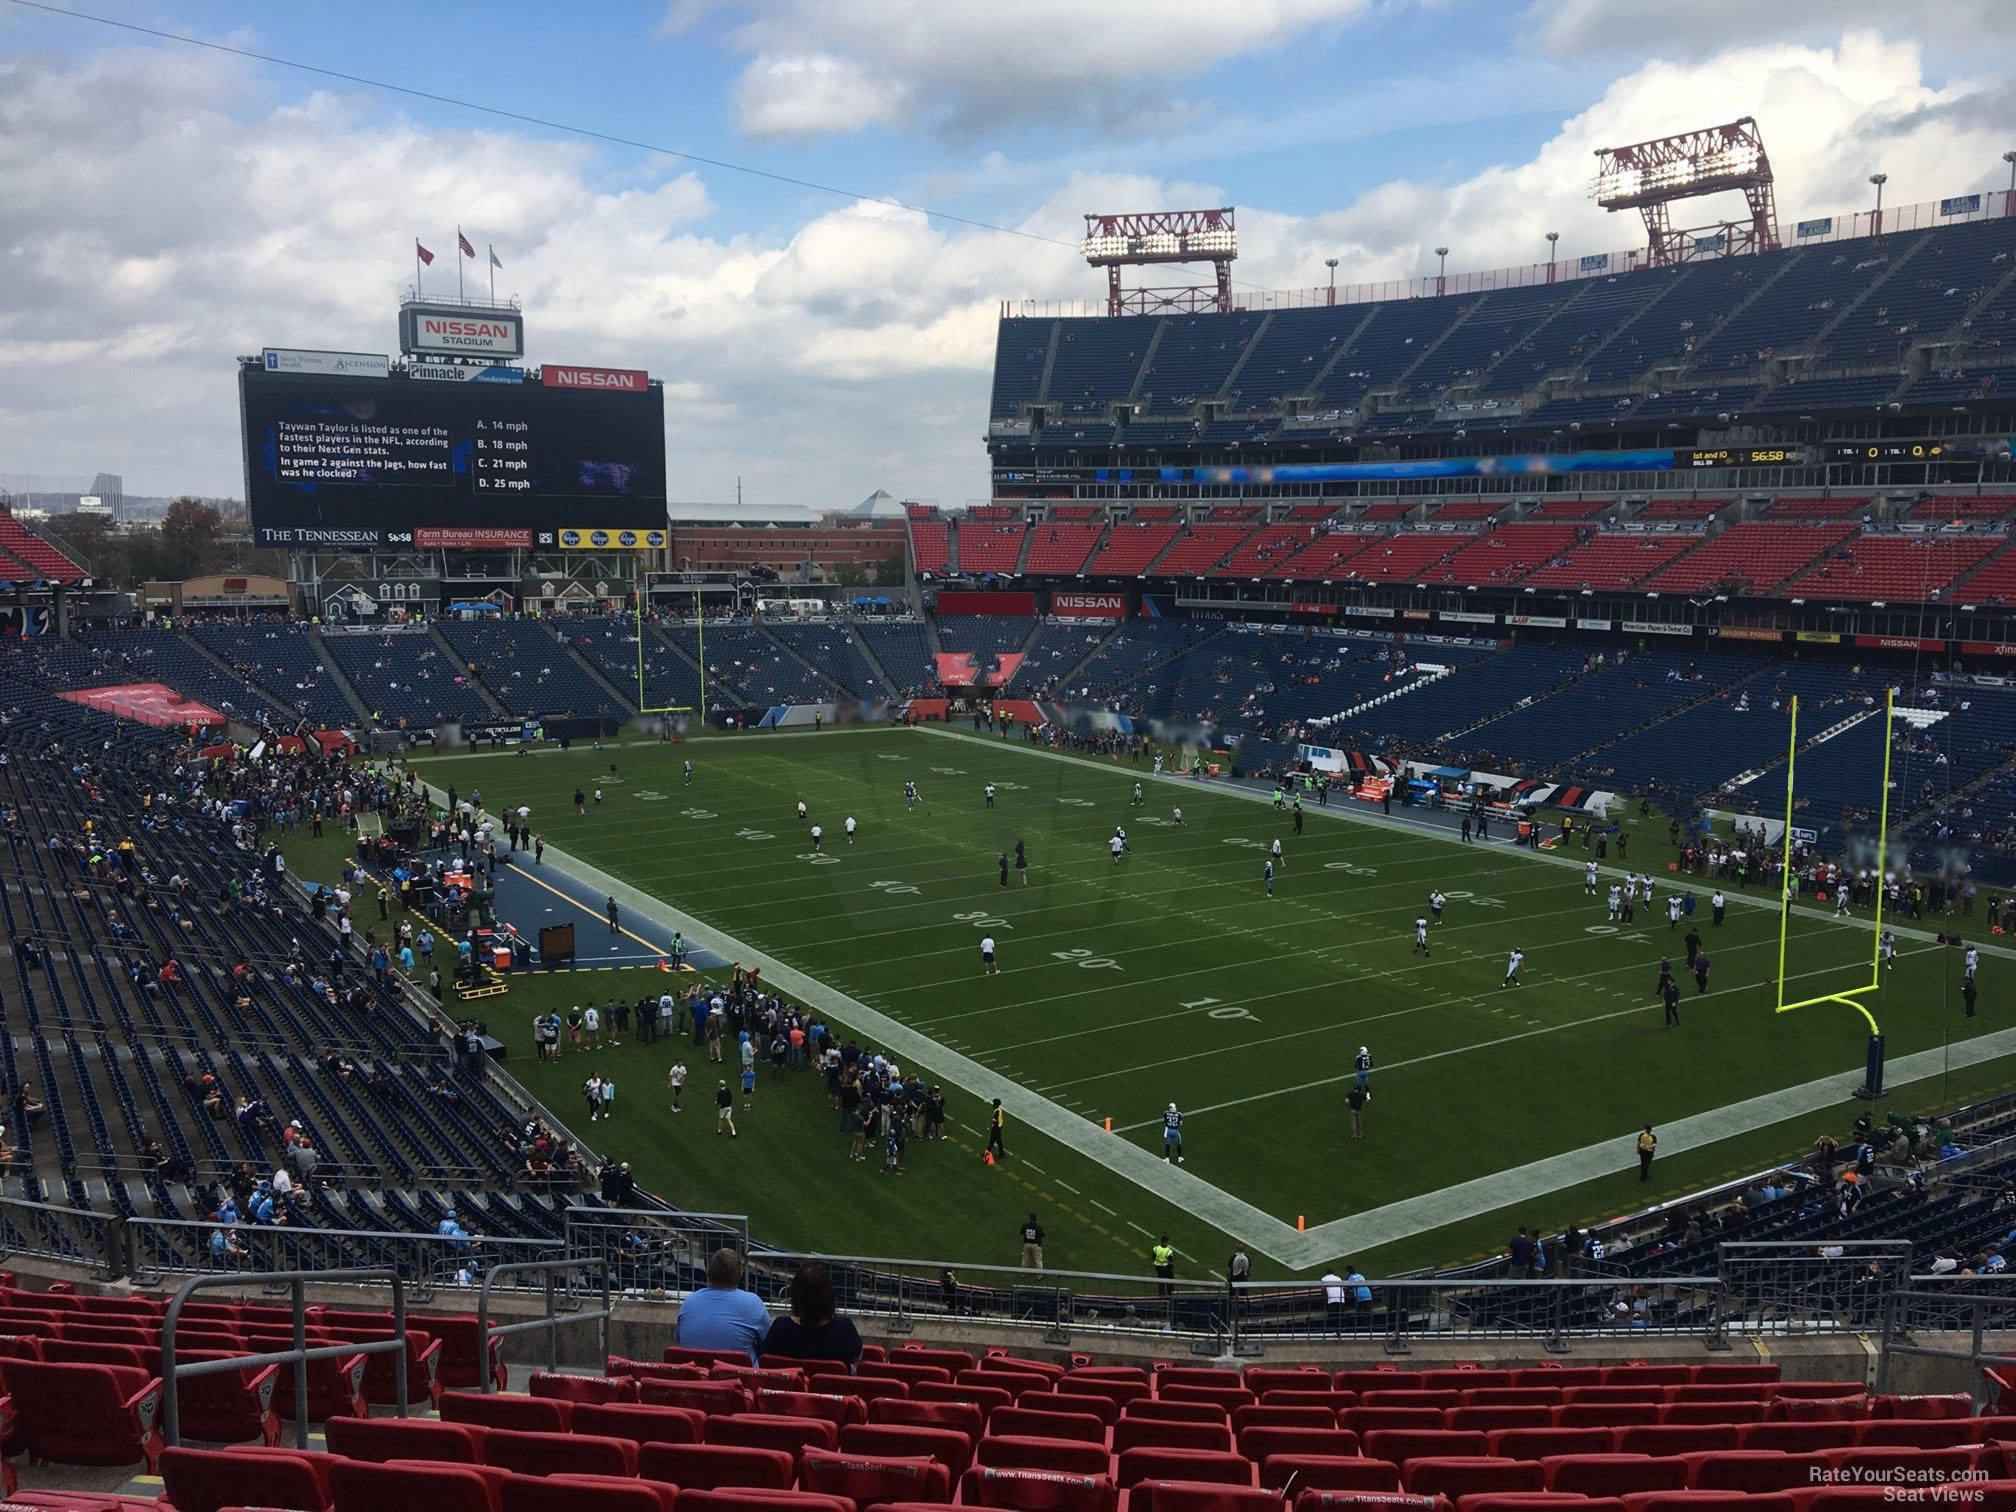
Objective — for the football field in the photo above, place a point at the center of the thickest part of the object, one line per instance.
(1172, 976)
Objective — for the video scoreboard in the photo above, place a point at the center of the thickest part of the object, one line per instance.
(449, 455)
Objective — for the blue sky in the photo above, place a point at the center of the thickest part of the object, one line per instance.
(174, 207)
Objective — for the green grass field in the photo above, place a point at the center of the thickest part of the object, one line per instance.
(1172, 976)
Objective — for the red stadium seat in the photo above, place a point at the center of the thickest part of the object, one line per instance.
(1004, 1359)
(1754, 1470)
(1647, 1375)
(716, 1465)
(1118, 1391)
(559, 1453)
(986, 1398)
(1402, 1444)
(85, 1414)
(1363, 1420)
(1678, 1438)
(381, 1440)
(1560, 1376)
(1266, 1378)
(755, 1378)
(1002, 1452)
(579, 1388)
(867, 1388)
(1026, 1422)
(954, 1360)
(1714, 1412)
(1705, 1374)
(1200, 1496)
(1465, 1378)
(1333, 1399)
(1841, 1409)
(674, 1354)
(459, 1367)
(1412, 1397)
(870, 1480)
(1799, 1438)
(952, 1449)
(1263, 1440)
(1471, 1475)
(1227, 1397)
(1199, 1375)
(203, 1480)
(710, 1397)
(506, 1410)
(1492, 1419)
(1897, 1465)
(902, 1370)
(1037, 1490)
(1712, 1501)
(1720, 1391)
(763, 1430)
(227, 1407)
(362, 1487)
(568, 1493)
(1334, 1472)
(832, 1408)
(1320, 1500)
(1079, 1403)
(1381, 1378)
(639, 1423)
(748, 1499)
(959, 1417)
(1185, 1412)
(1614, 1474)
(1827, 1389)
(1615, 1395)
(1513, 1396)
(1219, 1465)
(1541, 1443)
(1606, 1414)
(1537, 1501)
(1261, 1415)
(1140, 1433)
(1919, 1433)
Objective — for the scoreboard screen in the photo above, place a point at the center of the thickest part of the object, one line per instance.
(365, 462)
(1743, 456)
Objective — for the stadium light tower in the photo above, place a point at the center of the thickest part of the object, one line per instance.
(2010, 158)
(1441, 269)
(1154, 237)
(1331, 264)
(1552, 238)
(1650, 176)
(1876, 223)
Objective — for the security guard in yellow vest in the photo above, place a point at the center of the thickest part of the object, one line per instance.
(1163, 1256)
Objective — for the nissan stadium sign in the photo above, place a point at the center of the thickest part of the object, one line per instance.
(460, 331)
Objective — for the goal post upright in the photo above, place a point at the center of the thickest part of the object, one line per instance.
(1850, 996)
(644, 707)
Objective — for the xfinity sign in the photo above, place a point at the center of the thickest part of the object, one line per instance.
(460, 331)
(609, 380)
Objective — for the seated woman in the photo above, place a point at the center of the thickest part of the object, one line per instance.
(812, 1330)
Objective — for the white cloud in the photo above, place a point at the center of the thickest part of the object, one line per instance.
(1699, 28)
(813, 94)
(144, 249)
(960, 66)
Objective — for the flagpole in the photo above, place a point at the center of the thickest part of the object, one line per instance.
(416, 268)
(458, 265)
(491, 248)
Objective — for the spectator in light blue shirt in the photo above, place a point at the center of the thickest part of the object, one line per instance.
(721, 1315)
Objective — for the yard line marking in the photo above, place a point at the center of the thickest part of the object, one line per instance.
(1037, 1169)
(1170, 1184)
(1102, 1207)
(1070, 1188)
(1140, 1230)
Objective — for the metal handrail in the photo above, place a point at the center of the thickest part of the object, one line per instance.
(551, 1323)
(299, 1356)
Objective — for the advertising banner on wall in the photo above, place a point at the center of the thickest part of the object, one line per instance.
(1110, 606)
(457, 331)
(610, 540)
(1899, 643)
(608, 380)
(1747, 632)
(1655, 627)
(987, 603)
(327, 364)
(470, 538)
